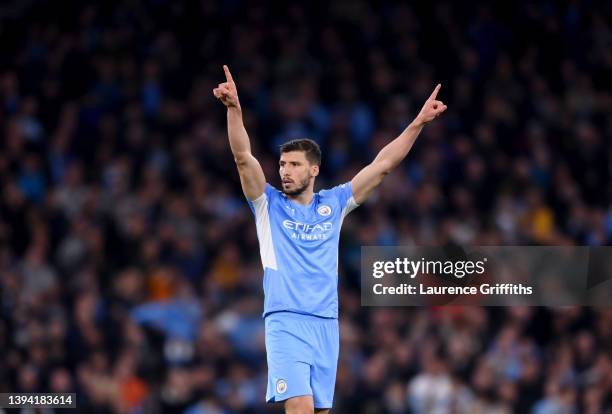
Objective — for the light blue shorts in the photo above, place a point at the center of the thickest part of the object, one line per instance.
(302, 353)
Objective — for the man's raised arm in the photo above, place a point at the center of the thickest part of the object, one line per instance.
(252, 177)
(394, 152)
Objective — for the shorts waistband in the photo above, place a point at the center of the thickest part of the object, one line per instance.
(299, 316)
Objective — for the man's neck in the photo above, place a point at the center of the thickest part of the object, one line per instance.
(304, 198)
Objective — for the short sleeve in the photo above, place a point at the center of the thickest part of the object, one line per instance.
(344, 194)
(263, 199)
(261, 210)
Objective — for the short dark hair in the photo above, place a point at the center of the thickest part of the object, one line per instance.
(308, 146)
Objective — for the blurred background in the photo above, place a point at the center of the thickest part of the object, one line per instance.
(129, 264)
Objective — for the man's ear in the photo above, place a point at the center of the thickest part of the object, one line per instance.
(314, 170)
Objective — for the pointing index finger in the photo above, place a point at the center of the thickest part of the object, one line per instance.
(434, 94)
(228, 75)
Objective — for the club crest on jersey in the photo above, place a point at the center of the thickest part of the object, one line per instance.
(324, 210)
(281, 386)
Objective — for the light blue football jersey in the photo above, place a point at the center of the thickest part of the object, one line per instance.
(299, 249)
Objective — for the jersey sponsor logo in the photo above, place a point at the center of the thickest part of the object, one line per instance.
(324, 210)
(308, 228)
(281, 386)
(304, 231)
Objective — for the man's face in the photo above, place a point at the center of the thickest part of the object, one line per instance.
(296, 172)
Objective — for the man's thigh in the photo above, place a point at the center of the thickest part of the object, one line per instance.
(303, 404)
(299, 405)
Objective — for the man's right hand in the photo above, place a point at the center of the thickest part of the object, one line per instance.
(226, 92)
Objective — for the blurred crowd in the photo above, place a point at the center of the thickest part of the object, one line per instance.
(129, 265)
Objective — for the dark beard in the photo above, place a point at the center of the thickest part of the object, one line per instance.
(299, 190)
